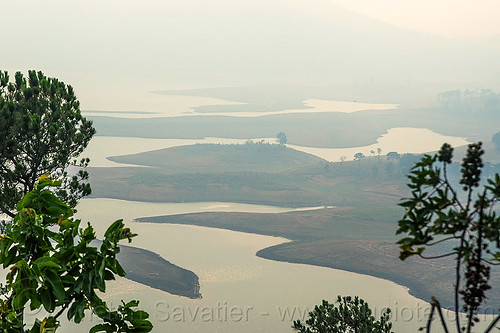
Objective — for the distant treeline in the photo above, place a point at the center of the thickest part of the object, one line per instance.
(471, 102)
(394, 165)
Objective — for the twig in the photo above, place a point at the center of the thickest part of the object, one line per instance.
(492, 324)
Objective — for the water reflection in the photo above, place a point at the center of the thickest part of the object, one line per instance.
(401, 140)
(174, 106)
(153, 105)
(241, 292)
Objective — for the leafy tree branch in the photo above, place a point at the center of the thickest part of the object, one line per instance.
(437, 213)
(53, 265)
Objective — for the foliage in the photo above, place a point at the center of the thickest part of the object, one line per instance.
(350, 315)
(484, 102)
(43, 132)
(463, 223)
(359, 156)
(281, 138)
(392, 155)
(53, 265)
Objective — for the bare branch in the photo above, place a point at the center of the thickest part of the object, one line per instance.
(437, 257)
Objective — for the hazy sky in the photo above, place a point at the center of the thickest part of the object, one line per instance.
(114, 50)
(449, 18)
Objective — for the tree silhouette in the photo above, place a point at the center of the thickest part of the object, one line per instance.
(43, 132)
(464, 223)
(347, 315)
(392, 155)
(281, 137)
(359, 156)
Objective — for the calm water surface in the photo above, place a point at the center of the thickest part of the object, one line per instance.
(401, 140)
(241, 292)
(159, 105)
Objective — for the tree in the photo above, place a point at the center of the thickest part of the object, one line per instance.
(359, 156)
(392, 155)
(43, 132)
(461, 222)
(348, 315)
(52, 265)
(379, 151)
(281, 137)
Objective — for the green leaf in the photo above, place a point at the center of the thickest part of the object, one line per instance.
(56, 283)
(48, 300)
(102, 328)
(137, 315)
(10, 257)
(108, 275)
(142, 326)
(66, 224)
(47, 262)
(25, 201)
(113, 228)
(77, 310)
(131, 304)
(20, 300)
(35, 301)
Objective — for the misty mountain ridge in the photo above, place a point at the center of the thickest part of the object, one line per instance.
(227, 43)
(297, 42)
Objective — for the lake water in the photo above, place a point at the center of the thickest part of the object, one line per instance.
(150, 105)
(401, 140)
(160, 105)
(323, 105)
(241, 292)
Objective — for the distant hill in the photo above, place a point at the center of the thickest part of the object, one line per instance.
(309, 42)
(196, 43)
(258, 157)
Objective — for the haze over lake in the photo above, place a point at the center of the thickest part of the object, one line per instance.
(231, 276)
(240, 291)
(401, 140)
(185, 105)
(332, 78)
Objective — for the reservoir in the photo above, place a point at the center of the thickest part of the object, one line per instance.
(401, 140)
(160, 105)
(241, 292)
(267, 294)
